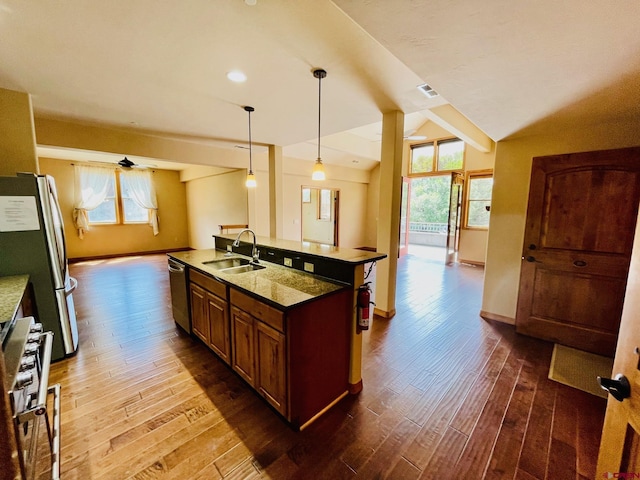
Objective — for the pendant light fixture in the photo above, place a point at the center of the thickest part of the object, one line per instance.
(318, 168)
(251, 178)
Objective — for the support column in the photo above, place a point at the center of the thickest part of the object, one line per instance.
(355, 360)
(389, 212)
(275, 191)
(18, 139)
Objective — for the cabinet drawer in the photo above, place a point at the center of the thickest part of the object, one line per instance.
(208, 283)
(261, 311)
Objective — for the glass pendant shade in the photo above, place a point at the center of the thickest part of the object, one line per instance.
(251, 180)
(318, 171)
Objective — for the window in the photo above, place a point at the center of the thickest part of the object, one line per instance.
(479, 187)
(437, 156)
(133, 211)
(422, 158)
(104, 196)
(105, 212)
(306, 195)
(324, 205)
(119, 206)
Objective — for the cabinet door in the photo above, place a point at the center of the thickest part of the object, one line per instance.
(243, 355)
(217, 310)
(199, 322)
(271, 374)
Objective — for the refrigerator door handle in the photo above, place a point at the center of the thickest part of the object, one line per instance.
(72, 287)
(54, 229)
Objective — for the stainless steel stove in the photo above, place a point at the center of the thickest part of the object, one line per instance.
(27, 357)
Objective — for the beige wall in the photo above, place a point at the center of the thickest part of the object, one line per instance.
(17, 142)
(352, 184)
(212, 201)
(206, 206)
(352, 214)
(108, 240)
(510, 196)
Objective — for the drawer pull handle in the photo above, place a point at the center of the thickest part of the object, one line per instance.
(579, 263)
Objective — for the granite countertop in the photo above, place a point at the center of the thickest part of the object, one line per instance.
(11, 292)
(283, 287)
(346, 255)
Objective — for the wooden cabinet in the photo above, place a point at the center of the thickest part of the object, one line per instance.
(210, 313)
(199, 321)
(296, 359)
(259, 350)
(243, 356)
(271, 373)
(218, 315)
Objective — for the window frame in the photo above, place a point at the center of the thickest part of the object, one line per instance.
(471, 175)
(119, 207)
(436, 153)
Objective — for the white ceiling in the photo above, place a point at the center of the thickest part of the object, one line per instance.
(509, 65)
(160, 66)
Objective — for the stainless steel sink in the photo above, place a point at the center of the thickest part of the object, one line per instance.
(243, 268)
(223, 263)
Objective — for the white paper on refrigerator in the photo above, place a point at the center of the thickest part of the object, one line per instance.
(18, 214)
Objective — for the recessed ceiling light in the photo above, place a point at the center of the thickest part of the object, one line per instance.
(237, 76)
(251, 3)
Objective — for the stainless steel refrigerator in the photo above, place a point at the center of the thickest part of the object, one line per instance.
(32, 242)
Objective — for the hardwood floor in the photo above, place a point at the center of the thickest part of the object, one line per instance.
(446, 394)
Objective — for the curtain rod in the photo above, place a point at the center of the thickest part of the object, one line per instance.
(110, 165)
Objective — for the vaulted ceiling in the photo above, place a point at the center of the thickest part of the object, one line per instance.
(511, 68)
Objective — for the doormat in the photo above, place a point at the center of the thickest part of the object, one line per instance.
(579, 369)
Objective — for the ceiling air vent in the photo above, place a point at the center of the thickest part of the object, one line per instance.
(427, 90)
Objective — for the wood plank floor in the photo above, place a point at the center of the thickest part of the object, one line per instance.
(446, 394)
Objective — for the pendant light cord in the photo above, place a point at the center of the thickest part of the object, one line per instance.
(249, 109)
(250, 159)
(319, 109)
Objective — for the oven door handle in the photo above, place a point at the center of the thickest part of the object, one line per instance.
(40, 407)
(43, 388)
(54, 435)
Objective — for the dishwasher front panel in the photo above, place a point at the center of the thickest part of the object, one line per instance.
(179, 294)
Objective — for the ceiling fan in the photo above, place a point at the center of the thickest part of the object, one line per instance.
(128, 164)
(409, 135)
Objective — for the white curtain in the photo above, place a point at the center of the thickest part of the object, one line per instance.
(139, 184)
(91, 188)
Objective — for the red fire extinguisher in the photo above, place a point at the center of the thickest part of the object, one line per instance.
(364, 300)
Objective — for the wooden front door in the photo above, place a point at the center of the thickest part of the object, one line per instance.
(620, 443)
(578, 239)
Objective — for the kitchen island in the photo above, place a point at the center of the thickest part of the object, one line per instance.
(289, 333)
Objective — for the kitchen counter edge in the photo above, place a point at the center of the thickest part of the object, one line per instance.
(281, 287)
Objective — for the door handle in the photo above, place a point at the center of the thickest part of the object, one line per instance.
(619, 386)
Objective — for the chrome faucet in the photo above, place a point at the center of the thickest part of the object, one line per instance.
(255, 253)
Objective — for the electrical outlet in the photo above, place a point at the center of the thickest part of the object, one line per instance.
(288, 262)
(308, 267)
